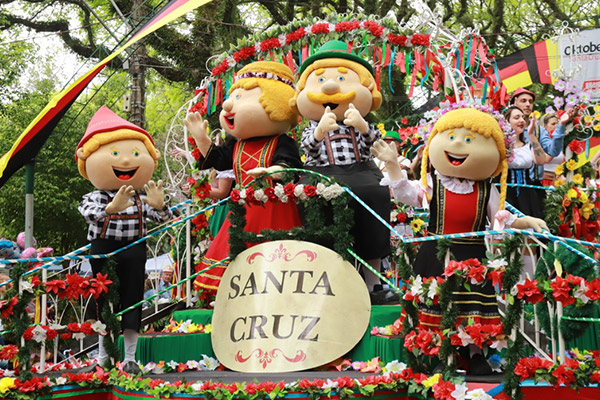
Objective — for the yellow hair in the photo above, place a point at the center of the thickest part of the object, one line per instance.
(100, 139)
(477, 122)
(366, 79)
(275, 95)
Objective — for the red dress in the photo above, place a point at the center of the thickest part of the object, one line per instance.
(246, 155)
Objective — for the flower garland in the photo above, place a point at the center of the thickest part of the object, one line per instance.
(316, 198)
(580, 369)
(186, 327)
(396, 377)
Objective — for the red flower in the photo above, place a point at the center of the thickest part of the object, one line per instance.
(406, 374)
(593, 291)
(55, 286)
(28, 334)
(529, 291)
(443, 390)
(86, 328)
(476, 274)
(420, 39)
(200, 221)
(564, 230)
(35, 383)
(345, 381)
(295, 36)
(235, 195)
(561, 291)
(398, 40)
(244, 54)
(347, 26)
(35, 281)
(269, 44)
(374, 28)
(476, 333)
(6, 306)
(563, 376)
(323, 27)
(219, 69)
(196, 154)
(404, 120)
(8, 352)
(310, 190)
(576, 146)
(50, 333)
(270, 193)
(66, 335)
(496, 277)
(100, 284)
(289, 190)
(595, 377)
(452, 267)
(401, 217)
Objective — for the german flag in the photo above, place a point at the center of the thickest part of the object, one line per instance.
(532, 64)
(35, 135)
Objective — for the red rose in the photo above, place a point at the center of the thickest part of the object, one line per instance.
(235, 196)
(244, 54)
(320, 28)
(289, 190)
(270, 193)
(221, 68)
(347, 26)
(310, 190)
(269, 44)
(420, 39)
(374, 28)
(401, 217)
(398, 40)
(51, 334)
(66, 335)
(295, 36)
(86, 328)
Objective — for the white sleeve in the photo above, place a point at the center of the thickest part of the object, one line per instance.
(406, 191)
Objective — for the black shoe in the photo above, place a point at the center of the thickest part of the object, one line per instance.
(132, 368)
(438, 369)
(89, 368)
(479, 366)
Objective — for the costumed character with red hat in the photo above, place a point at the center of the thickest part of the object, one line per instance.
(335, 92)
(118, 158)
(257, 114)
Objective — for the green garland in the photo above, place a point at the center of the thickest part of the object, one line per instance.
(315, 229)
(113, 327)
(511, 251)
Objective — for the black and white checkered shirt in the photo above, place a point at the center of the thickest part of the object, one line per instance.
(342, 146)
(127, 225)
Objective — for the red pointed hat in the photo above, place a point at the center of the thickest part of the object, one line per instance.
(521, 91)
(105, 120)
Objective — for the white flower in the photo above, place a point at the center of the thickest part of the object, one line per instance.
(9, 372)
(173, 364)
(460, 392)
(464, 337)
(99, 328)
(57, 327)
(299, 192)
(329, 384)
(393, 366)
(579, 293)
(432, 289)
(478, 394)
(26, 286)
(208, 363)
(193, 364)
(78, 335)
(61, 380)
(183, 328)
(417, 285)
(560, 85)
(497, 263)
(197, 386)
(39, 334)
(280, 193)
(149, 367)
(499, 344)
(260, 195)
(243, 194)
(584, 97)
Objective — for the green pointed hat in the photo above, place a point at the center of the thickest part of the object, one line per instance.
(336, 49)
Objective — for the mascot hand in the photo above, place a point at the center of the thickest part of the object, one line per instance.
(353, 118)
(155, 196)
(198, 128)
(327, 123)
(256, 172)
(385, 152)
(526, 222)
(121, 201)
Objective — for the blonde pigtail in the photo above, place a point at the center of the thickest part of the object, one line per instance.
(503, 179)
(424, 163)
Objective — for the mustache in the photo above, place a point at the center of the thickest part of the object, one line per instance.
(323, 98)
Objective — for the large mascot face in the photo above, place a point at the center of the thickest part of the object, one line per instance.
(461, 153)
(243, 115)
(122, 162)
(336, 88)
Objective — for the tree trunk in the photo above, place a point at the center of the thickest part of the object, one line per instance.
(137, 70)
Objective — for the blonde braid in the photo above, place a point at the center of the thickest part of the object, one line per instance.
(503, 178)
(424, 164)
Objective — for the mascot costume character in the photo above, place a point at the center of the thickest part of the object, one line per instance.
(118, 158)
(257, 114)
(336, 90)
(466, 148)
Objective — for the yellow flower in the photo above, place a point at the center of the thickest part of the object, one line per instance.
(380, 127)
(577, 179)
(432, 380)
(587, 210)
(6, 384)
(597, 108)
(559, 169)
(583, 197)
(207, 328)
(303, 158)
(597, 127)
(558, 182)
(416, 224)
(571, 165)
(588, 119)
(572, 194)
(537, 114)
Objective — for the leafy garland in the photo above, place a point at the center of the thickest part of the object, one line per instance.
(314, 230)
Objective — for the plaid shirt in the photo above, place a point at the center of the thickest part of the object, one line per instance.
(342, 146)
(127, 225)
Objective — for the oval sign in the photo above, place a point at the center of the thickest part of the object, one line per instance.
(288, 306)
